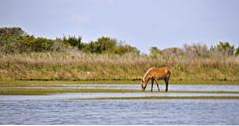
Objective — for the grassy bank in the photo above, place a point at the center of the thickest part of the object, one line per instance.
(77, 66)
(46, 91)
(57, 90)
(32, 83)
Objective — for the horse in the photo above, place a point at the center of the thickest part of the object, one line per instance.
(154, 74)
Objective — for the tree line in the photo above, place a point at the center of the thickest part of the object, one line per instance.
(15, 40)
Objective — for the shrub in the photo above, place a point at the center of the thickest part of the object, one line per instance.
(15, 31)
(74, 42)
(15, 40)
(154, 52)
(225, 48)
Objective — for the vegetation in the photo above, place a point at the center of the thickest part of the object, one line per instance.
(25, 57)
(58, 90)
(45, 91)
(15, 40)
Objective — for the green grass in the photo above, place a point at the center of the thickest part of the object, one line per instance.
(52, 90)
(45, 91)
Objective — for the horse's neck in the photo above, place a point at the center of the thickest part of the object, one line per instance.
(147, 79)
(146, 75)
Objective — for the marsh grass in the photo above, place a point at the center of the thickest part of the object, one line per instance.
(46, 91)
(78, 66)
(53, 90)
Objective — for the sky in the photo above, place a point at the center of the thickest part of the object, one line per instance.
(140, 23)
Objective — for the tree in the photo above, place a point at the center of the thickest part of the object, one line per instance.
(226, 48)
(123, 49)
(237, 51)
(102, 45)
(14, 31)
(154, 51)
(105, 44)
(74, 41)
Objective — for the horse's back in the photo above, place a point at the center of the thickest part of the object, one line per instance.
(159, 72)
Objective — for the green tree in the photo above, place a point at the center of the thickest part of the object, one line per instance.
(42, 44)
(226, 48)
(102, 45)
(105, 44)
(74, 41)
(154, 51)
(237, 51)
(123, 49)
(11, 31)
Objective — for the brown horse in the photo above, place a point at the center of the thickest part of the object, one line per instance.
(155, 74)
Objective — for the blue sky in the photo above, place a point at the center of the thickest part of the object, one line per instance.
(141, 23)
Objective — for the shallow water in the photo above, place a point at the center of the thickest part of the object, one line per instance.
(138, 87)
(119, 112)
(89, 96)
(84, 108)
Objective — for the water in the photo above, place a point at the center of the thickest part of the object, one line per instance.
(138, 87)
(119, 112)
(89, 96)
(86, 108)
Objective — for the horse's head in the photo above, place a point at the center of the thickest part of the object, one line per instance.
(143, 84)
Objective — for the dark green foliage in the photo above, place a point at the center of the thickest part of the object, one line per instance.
(74, 42)
(226, 48)
(123, 49)
(15, 40)
(237, 51)
(16, 31)
(108, 45)
(154, 51)
(105, 44)
(41, 44)
(102, 45)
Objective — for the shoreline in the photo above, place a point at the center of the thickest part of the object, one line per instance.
(60, 82)
(61, 87)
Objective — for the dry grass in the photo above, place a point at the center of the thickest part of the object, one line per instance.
(74, 65)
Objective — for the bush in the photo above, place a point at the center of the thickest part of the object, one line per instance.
(154, 52)
(15, 31)
(110, 46)
(237, 51)
(102, 45)
(74, 42)
(15, 40)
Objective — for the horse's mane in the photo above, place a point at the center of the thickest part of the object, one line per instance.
(147, 73)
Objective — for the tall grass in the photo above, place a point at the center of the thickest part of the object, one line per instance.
(75, 65)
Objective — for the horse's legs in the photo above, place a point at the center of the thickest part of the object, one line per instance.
(166, 82)
(152, 85)
(157, 84)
